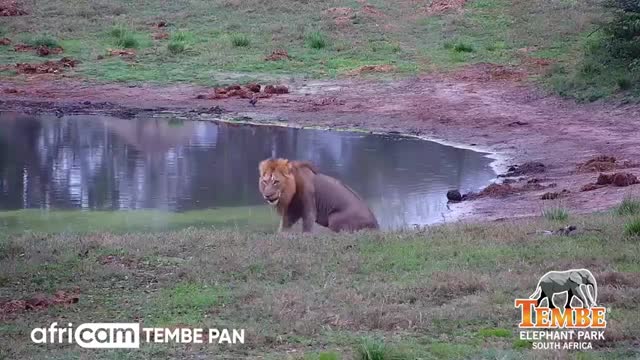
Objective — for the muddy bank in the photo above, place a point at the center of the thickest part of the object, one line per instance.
(506, 117)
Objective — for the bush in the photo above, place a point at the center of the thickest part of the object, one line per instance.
(316, 40)
(123, 37)
(556, 214)
(240, 40)
(632, 228)
(463, 47)
(44, 40)
(176, 47)
(629, 206)
(377, 350)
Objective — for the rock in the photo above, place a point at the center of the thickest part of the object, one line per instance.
(624, 179)
(454, 195)
(598, 163)
(554, 195)
(617, 179)
(201, 96)
(531, 167)
(253, 87)
(277, 89)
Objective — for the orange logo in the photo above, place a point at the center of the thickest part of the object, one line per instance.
(578, 320)
(577, 284)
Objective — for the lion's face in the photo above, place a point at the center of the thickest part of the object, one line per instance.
(276, 181)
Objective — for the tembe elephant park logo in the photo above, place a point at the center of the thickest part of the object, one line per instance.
(562, 313)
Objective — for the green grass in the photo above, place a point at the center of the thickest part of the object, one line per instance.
(632, 228)
(556, 214)
(43, 40)
(326, 296)
(629, 206)
(316, 40)
(124, 38)
(240, 40)
(126, 221)
(222, 47)
(185, 303)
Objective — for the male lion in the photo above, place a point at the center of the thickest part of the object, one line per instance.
(297, 191)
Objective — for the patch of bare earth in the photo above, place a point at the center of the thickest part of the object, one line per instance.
(39, 302)
(11, 8)
(441, 6)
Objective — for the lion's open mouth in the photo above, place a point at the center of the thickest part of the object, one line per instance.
(273, 200)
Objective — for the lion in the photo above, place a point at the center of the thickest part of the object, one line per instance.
(297, 190)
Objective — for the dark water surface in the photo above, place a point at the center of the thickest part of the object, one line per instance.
(103, 163)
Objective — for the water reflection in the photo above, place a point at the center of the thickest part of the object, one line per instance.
(92, 162)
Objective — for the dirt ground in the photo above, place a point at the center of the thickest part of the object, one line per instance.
(471, 108)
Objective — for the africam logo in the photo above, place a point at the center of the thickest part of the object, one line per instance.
(580, 286)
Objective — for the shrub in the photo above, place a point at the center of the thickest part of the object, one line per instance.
(377, 350)
(124, 37)
(176, 47)
(463, 47)
(629, 206)
(632, 228)
(240, 40)
(316, 40)
(44, 40)
(556, 214)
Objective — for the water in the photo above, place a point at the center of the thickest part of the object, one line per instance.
(103, 163)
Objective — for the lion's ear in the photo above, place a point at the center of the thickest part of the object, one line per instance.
(262, 167)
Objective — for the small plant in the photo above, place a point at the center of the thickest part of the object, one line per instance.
(123, 37)
(624, 83)
(494, 332)
(371, 350)
(240, 40)
(629, 206)
(176, 47)
(44, 40)
(632, 228)
(556, 214)
(463, 47)
(316, 40)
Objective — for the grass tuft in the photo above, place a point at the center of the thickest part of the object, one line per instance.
(317, 40)
(632, 228)
(556, 214)
(44, 40)
(371, 349)
(240, 40)
(494, 332)
(629, 206)
(123, 37)
(463, 47)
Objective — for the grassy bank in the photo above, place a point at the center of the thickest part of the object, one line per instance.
(446, 292)
(211, 42)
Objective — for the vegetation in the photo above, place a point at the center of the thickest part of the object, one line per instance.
(556, 214)
(629, 206)
(610, 64)
(404, 35)
(240, 40)
(364, 296)
(632, 228)
(316, 40)
(43, 40)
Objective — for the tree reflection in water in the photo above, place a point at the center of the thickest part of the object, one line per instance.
(93, 162)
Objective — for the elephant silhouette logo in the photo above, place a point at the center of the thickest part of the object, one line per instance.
(575, 283)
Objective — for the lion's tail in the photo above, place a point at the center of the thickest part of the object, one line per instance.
(535, 293)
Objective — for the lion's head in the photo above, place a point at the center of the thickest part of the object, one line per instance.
(277, 182)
